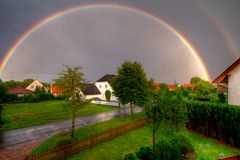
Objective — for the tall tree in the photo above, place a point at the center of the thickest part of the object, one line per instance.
(71, 81)
(195, 80)
(130, 84)
(154, 112)
(175, 112)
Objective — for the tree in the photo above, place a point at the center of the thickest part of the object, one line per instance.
(175, 112)
(195, 80)
(108, 95)
(71, 81)
(203, 88)
(154, 112)
(3, 92)
(130, 84)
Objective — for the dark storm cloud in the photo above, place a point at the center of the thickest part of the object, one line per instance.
(16, 17)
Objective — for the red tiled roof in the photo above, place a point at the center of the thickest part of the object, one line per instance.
(172, 86)
(55, 90)
(189, 85)
(19, 90)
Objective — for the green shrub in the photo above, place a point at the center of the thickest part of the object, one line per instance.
(65, 141)
(184, 144)
(130, 156)
(168, 149)
(31, 98)
(108, 95)
(61, 97)
(145, 153)
(45, 96)
(11, 97)
(218, 120)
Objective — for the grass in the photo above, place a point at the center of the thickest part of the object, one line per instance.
(86, 131)
(21, 115)
(206, 149)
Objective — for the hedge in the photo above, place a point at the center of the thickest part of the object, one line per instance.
(221, 121)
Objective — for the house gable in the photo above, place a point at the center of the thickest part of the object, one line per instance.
(34, 85)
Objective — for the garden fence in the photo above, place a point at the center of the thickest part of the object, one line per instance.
(63, 151)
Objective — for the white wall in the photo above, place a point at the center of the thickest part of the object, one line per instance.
(234, 87)
(33, 86)
(103, 86)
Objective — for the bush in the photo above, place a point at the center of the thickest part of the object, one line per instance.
(145, 153)
(108, 95)
(65, 141)
(45, 96)
(130, 156)
(31, 98)
(218, 120)
(184, 144)
(168, 149)
(61, 97)
(11, 97)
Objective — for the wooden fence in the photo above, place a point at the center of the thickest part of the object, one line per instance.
(235, 157)
(61, 152)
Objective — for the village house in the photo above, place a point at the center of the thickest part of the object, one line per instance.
(20, 91)
(228, 81)
(36, 84)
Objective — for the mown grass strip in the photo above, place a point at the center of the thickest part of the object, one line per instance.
(21, 115)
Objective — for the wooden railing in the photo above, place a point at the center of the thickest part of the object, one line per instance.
(63, 151)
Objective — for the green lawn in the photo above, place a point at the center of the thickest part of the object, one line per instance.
(206, 149)
(29, 114)
(87, 130)
(115, 149)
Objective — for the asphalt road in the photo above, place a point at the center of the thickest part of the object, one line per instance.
(41, 132)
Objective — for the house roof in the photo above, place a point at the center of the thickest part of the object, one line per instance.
(19, 90)
(55, 90)
(172, 86)
(106, 78)
(222, 89)
(90, 89)
(189, 85)
(223, 76)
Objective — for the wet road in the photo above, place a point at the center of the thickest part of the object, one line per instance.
(41, 132)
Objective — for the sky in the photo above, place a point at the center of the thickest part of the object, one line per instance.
(106, 33)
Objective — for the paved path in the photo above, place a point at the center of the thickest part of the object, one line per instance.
(41, 132)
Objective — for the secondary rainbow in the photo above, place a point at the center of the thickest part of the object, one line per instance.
(194, 53)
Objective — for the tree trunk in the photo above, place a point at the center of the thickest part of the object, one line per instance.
(131, 106)
(154, 145)
(73, 123)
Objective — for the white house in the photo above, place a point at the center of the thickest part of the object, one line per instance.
(34, 85)
(91, 92)
(103, 84)
(231, 78)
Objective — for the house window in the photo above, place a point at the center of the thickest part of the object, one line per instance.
(100, 86)
(106, 86)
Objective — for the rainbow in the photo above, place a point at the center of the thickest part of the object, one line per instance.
(35, 27)
(232, 47)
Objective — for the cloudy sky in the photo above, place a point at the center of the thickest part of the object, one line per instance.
(101, 36)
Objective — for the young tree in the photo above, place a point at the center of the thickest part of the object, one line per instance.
(108, 95)
(130, 84)
(71, 81)
(175, 112)
(154, 112)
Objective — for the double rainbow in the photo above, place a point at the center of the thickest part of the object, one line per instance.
(21, 40)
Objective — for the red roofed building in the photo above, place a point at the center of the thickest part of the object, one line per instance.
(189, 85)
(55, 90)
(172, 87)
(20, 91)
